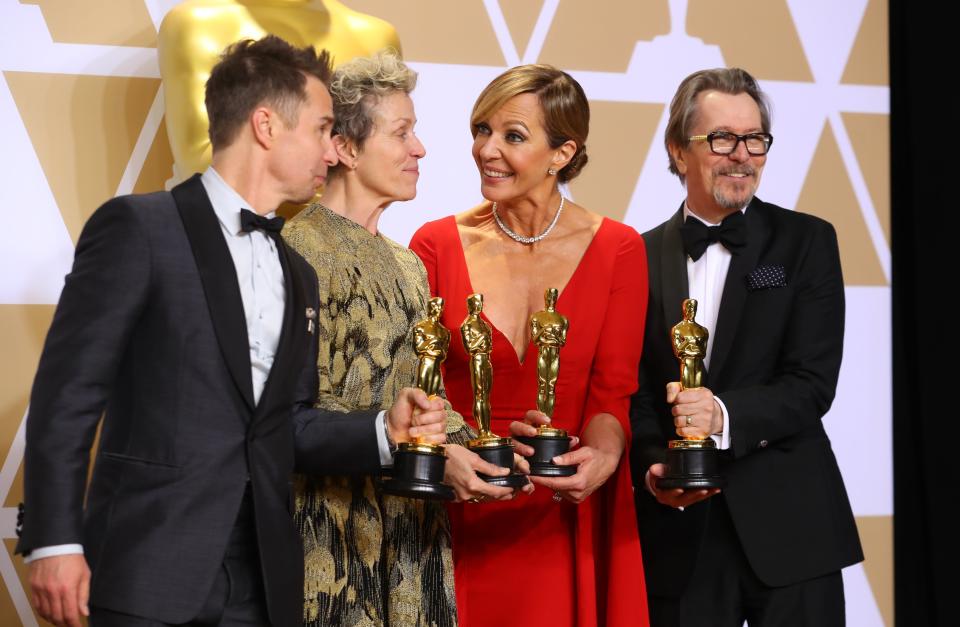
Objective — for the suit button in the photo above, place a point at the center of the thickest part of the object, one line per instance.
(762, 444)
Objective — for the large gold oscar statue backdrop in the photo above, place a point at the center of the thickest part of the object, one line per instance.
(84, 116)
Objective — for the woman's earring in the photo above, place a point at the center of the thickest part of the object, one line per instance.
(552, 172)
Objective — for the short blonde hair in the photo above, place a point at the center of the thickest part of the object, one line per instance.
(566, 111)
(358, 86)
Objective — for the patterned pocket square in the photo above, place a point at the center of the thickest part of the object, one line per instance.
(766, 277)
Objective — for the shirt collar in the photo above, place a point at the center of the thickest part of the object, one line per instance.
(687, 213)
(226, 202)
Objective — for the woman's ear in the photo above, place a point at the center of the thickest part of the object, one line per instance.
(563, 154)
(347, 151)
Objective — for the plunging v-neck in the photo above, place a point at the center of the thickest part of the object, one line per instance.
(562, 292)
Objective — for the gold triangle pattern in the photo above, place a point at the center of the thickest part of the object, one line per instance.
(771, 28)
(827, 193)
(105, 22)
(870, 135)
(83, 129)
(24, 329)
(521, 17)
(876, 535)
(613, 29)
(607, 182)
(158, 166)
(439, 31)
(869, 60)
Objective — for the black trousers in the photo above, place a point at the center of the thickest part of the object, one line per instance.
(724, 591)
(236, 598)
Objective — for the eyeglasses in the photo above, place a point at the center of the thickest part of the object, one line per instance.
(724, 143)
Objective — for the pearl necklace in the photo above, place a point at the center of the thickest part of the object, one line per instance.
(533, 239)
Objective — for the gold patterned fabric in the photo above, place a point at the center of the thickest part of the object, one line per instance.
(371, 559)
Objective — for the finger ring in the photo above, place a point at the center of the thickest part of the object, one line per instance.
(476, 499)
(557, 497)
(689, 420)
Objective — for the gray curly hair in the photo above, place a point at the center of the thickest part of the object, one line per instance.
(358, 86)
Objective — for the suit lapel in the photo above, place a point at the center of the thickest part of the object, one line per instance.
(219, 278)
(673, 272)
(294, 302)
(735, 287)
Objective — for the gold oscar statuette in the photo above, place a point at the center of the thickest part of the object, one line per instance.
(418, 466)
(548, 329)
(478, 343)
(692, 461)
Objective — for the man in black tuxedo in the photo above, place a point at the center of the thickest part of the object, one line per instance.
(768, 548)
(192, 325)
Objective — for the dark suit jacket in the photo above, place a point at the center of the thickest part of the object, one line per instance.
(775, 361)
(150, 327)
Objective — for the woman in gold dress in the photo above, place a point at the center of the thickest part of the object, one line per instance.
(373, 559)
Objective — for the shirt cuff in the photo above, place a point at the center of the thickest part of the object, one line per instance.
(53, 551)
(723, 438)
(386, 456)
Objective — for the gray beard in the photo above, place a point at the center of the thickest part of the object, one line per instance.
(731, 203)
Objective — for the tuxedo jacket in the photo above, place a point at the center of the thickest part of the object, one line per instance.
(150, 333)
(774, 364)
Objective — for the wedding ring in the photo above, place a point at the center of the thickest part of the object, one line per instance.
(476, 499)
(689, 420)
(557, 497)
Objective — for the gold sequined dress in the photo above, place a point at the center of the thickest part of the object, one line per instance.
(371, 559)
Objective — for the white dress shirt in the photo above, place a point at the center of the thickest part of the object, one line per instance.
(705, 278)
(263, 293)
(259, 274)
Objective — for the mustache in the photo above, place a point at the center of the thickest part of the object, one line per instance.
(737, 169)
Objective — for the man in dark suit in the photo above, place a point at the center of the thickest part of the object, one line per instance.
(769, 547)
(190, 322)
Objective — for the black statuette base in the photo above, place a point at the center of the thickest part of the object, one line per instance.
(418, 475)
(691, 469)
(545, 448)
(500, 456)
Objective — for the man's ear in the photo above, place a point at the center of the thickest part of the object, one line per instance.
(263, 123)
(679, 158)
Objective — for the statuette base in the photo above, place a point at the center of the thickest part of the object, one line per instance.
(691, 465)
(502, 456)
(545, 448)
(418, 473)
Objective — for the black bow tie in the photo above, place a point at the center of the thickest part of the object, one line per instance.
(250, 221)
(732, 233)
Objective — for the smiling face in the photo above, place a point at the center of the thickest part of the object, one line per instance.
(718, 185)
(388, 165)
(512, 151)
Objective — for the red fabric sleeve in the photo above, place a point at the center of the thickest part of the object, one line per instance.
(423, 243)
(613, 377)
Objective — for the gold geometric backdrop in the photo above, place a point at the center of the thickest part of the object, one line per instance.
(82, 117)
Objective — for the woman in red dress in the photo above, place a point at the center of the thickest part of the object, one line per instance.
(569, 554)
